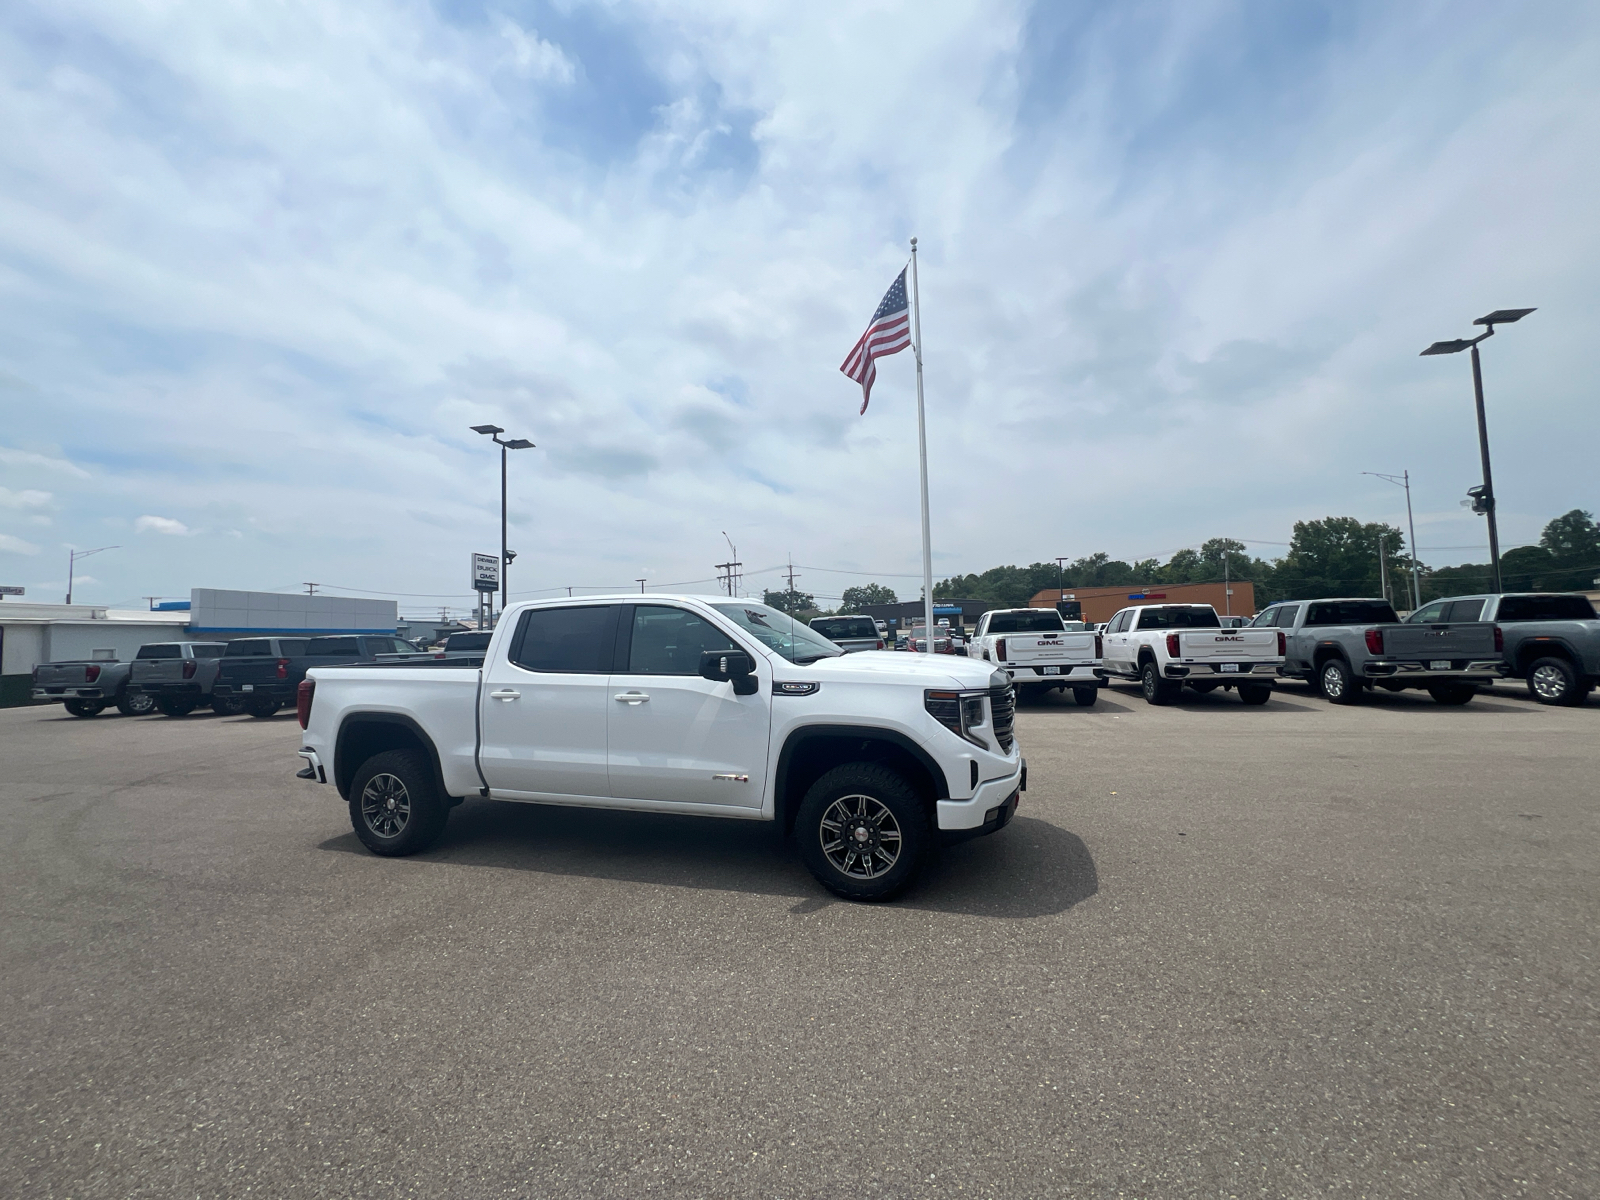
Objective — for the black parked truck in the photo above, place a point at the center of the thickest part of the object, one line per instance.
(259, 675)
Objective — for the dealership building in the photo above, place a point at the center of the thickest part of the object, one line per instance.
(1100, 604)
(31, 634)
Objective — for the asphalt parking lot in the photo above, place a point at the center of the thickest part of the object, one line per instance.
(1223, 951)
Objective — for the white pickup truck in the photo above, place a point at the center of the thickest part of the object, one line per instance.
(1165, 646)
(677, 704)
(1034, 647)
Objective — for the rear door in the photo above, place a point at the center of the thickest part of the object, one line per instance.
(545, 705)
(674, 736)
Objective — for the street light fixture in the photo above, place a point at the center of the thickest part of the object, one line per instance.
(1483, 497)
(494, 431)
(72, 558)
(1404, 480)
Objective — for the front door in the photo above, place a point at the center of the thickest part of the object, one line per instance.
(673, 735)
(546, 704)
(1114, 643)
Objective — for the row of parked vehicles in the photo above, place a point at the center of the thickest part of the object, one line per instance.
(1342, 647)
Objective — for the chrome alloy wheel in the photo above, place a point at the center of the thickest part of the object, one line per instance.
(1549, 682)
(385, 805)
(1333, 681)
(860, 837)
(141, 703)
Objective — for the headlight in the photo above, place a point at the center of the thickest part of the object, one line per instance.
(964, 714)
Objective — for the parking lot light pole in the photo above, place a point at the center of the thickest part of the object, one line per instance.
(72, 560)
(494, 431)
(1404, 480)
(1484, 501)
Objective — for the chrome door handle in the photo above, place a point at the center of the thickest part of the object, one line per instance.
(632, 697)
(504, 694)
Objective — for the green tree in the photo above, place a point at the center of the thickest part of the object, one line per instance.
(857, 598)
(1526, 569)
(1338, 556)
(1573, 543)
(794, 602)
(1465, 580)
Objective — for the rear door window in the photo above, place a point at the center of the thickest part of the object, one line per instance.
(1465, 610)
(1286, 616)
(292, 646)
(574, 641)
(1545, 608)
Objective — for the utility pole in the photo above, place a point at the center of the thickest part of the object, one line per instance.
(311, 588)
(152, 600)
(729, 571)
(640, 582)
(1383, 567)
(569, 591)
(1227, 589)
(789, 599)
(1061, 578)
(1404, 480)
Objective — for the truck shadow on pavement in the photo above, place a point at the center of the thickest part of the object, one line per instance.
(1029, 869)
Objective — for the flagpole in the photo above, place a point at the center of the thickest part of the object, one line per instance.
(922, 451)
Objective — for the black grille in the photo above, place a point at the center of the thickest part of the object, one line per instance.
(1002, 711)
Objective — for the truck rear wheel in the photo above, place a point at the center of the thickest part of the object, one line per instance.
(85, 708)
(1255, 693)
(261, 706)
(395, 807)
(1086, 696)
(172, 707)
(1554, 681)
(1452, 694)
(863, 832)
(1336, 683)
(1204, 685)
(1156, 689)
(135, 704)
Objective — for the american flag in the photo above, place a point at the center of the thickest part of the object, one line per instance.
(888, 333)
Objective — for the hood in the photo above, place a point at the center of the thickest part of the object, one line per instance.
(891, 666)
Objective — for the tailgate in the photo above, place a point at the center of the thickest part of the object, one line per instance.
(252, 669)
(1036, 649)
(1228, 645)
(63, 675)
(156, 671)
(1467, 639)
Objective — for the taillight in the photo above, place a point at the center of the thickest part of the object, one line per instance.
(1172, 645)
(1283, 644)
(880, 643)
(283, 668)
(302, 701)
(1000, 649)
(1499, 640)
(1375, 641)
(440, 654)
(1098, 650)
(188, 668)
(90, 674)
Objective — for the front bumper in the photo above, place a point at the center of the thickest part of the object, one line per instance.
(976, 813)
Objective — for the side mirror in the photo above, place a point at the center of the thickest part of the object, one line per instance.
(730, 666)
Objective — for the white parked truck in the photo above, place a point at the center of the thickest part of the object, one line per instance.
(1166, 646)
(677, 704)
(1034, 647)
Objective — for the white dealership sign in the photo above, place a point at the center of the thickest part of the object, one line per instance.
(485, 573)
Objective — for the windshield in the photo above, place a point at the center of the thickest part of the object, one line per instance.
(1039, 620)
(779, 631)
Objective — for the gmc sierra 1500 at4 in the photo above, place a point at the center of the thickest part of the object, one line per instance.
(678, 704)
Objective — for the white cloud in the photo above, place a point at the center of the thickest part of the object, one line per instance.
(532, 56)
(149, 524)
(25, 499)
(16, 545)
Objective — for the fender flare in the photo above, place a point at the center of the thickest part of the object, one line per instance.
(871, 733)
(343, 772)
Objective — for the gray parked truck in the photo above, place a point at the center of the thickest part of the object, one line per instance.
(176, 675)
(1552, 639)
(1343, 646)
(87, 687)
(849, 633)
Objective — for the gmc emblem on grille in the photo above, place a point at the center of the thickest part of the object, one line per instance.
(1228, 639)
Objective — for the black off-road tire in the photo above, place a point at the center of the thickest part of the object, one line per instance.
(261, 706)
(1337, 683)
(1086, 697)
(170, 707)
(85, 708)
(1156, 689)
(1205, 685)
(1452, 694)
(874, 799)
(1255, 693)
(227, 706)
(395, 805)
(135, 704)
(1554, 680)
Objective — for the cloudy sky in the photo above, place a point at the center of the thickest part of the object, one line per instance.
(262, 264)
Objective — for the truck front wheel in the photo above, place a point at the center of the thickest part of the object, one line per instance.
(863, 832)
(395, 808)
